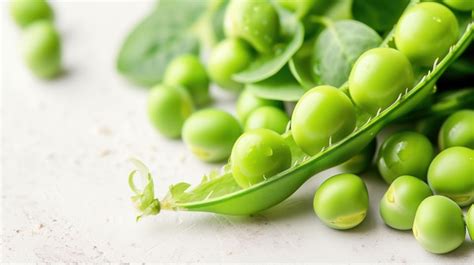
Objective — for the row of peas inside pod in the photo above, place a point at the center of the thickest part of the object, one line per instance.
(41, 43)
(426, 189)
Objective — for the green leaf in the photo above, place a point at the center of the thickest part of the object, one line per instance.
(159, 38)
(377, 14)
(267, 65)
(281, 86)
(338, 47)
(300, 65)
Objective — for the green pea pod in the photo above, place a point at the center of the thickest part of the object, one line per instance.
(219, 193)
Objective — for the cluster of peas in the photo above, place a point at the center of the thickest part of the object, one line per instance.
(324, 116)
(41, 42)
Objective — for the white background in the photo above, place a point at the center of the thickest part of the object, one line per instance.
(65, 145)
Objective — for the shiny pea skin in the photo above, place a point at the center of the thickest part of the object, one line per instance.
(425, 32)
(267, 117)
(451, 173)
(378, 77)
(256, 22)
(168, 108)
(226, 59)
(360, 162)
(398, 205)
(462, 5)
(248, 102)
(342, 201)
(405, 153)
(41, 48)
(187, 71)
(457, 130)
(25, 12)
(439, 225)
(258, 155)
(323, 116)
(470, 221)
(210, 134)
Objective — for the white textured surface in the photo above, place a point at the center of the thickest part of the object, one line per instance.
(64, 149)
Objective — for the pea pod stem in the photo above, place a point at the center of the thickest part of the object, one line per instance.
(144, 199)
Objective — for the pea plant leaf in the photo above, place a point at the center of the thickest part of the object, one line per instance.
(377, 14)
(159, 38)
(300, 65)
(338, 47)
(267, 65)
(281, 86)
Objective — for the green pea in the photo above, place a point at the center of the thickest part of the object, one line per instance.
(168, 108)
(256, 22)
(248, 102)
(258, 155)
(42, 49)
(425, 32)
(470, 221)
(457, 130)
(342, 201)
(210, 134)
(360, 162)
(25, 12)
(188, 71)
(301, 8)
(451, 174)
(226, 59)
(462, 5)
(378, 77)
(405, 153)
(267, 117)
(323, 116)
(439, 225)
(398, 205)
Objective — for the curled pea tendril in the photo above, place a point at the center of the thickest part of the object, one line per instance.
(144, 199)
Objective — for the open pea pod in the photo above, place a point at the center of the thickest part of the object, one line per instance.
(219, 193)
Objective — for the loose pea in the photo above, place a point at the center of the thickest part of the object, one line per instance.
(439, 225)
(462, 5)
(168, 108)
(210, 134)
(342, 201)
(457, 130)
(248, 102)
(323, 116)
(267, 117)
(470, 221)
(42, 49)
(188, 71)
(258, 155)
(398, 205)
(405, 153)
(25, 12)
(360, 162)
(378, 77)
(451, 173)
(425, 32)
(256, 22)
(228, 58)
